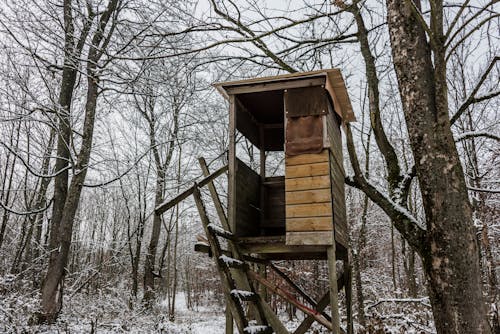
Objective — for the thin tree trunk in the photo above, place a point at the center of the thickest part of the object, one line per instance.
(161, 167)
(6, 192)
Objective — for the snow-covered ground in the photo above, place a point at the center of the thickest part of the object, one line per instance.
(111, 311)
(111, 314)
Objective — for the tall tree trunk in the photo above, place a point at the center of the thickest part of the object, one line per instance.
(61, 232)
(450, 255)
(161, 167)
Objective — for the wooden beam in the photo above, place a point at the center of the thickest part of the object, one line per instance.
(298, 289)
(182, 196)
(289, 298)
(309, 238)
(236, 309)
(348, 295)
(204, 248)
(309, 224)
(307, 158)
(311, 169)
(223, 219)
(231, 199)
(308, 321)
(334, 299)
(215, 197)
(309, 210)
(322, 304)
(308, 183)
(262, 87)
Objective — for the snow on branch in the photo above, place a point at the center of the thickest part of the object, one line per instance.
(473, 134)
(398, 208)
(30, 169)
(484, 190)
(25, 213)
(424, 301)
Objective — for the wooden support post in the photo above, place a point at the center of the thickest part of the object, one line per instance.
(236, 309)
(322, 304)
(215, 197)
(289, 298)
(334, 298)
(348, 296)
(231, 203)
(262, 166)
(308, 321)
(229, 319)
(298, 290)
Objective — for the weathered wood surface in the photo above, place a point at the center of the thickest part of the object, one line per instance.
(261, 87)
(273, 191)
(247, 200)
(309, 238)
(337, 175)
(306, 158)
(308, 199)
(322, 304)
(334, 298)
(309, 224)
(306, 101)
(308, 196)
(298, 289)
(309, 210)
(289, 298)
(310, 169)
(306, 183)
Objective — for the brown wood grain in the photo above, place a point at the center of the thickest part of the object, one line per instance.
(309, 224)
(308, 196)
(307, 183)
(311, 169)
(309, 238)
(307, 158)
(309, 210)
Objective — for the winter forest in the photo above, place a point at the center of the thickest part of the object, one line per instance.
(106, 107)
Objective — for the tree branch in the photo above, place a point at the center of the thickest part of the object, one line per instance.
(472, 99)
(411, 229)
(474, 134)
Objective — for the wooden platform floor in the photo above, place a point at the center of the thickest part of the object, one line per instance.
(274, 248)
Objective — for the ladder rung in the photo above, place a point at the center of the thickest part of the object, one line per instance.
(247, 296)
(231, 263)
(258, 329)
(220, 232)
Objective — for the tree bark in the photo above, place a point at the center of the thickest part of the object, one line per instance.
(161, 167)
(450, 254)
(61, 232)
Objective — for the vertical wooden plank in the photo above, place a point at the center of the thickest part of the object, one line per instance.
(223, 219)
(229, 319)
(231, 201)
(215, 197)
(348, 295)
(334, 298)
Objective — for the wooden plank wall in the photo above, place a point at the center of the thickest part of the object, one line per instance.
(274, 206)
(309, 216)
(247, 198)
(337, 175)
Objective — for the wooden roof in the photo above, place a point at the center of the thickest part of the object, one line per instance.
(332, 79)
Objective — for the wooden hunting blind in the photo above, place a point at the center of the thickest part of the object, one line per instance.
(296, 216)
(299, 214)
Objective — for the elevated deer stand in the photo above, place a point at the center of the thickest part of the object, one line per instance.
(298, 216)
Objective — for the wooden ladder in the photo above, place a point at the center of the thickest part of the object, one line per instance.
(234, 277)
(237, 276)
